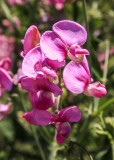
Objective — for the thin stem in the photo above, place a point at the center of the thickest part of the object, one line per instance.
(32, 128)
(38, 142)
(106, 62)
(112, 145)
(59, 98)
(78, 144)
(87, 27)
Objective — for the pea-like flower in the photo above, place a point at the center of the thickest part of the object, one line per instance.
(61, 120)
(31, 39)
(77, 79)
(41, 91)
(66, 39)
(5, 82)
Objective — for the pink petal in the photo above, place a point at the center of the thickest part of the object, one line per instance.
(59, 4)
(4, 109)
(6, 63)
(54, 63)
(35, 85)
(49, 72)
(32, 57)
(63, 131)
(5, 80)
(38, 117)
(42, 99)
(76, 76)
(31, 39)
(70, 114)
(70, 32)
(96, 90)
(52, 46)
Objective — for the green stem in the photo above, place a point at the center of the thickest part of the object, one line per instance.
(106, 62)
(32, 128)
(59, 98)
(87, 27)
(103, 107)
(112, 145)
(38, 142)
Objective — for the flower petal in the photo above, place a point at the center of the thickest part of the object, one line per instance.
(52, 46)
(70, 32)
(5, 80)
(38, 117)
(70, 114)
(76, 76)
(35, 85)
(31, 39)
(6, 63)
(32, 57)
(63, 131)
(42, 100)
(54, 63)
(96, 90)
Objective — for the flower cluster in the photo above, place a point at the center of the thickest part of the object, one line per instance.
(6, 82)
(42, 56)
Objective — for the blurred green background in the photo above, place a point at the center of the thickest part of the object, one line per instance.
(95, 131)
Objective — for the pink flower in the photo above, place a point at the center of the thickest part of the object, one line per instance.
(34, 64)
(77, 79)
(6, 46)
(41, 91)
(5, 82)
(6, 63)
(8, 24)
(17, 21)
(61, 119)
(31, 39)
(4, 110)
(65, 39)
(101, 57)
(59, 4)
(12, 2)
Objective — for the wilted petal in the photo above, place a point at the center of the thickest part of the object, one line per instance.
(76, 76)
(52, 46)
(70, 114)
(70, 32)
(5, 80)
(96, 90)
(32, 57)
(42, 99)
(31, 39)
(38, 117)
(63, 131)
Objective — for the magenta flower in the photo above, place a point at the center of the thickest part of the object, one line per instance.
(59, 4)
(12, 2)
(31, 39)
(77, 79)
(65, 39)
(6, 63)
(5, 82)
(34, 64)
(41, 91)
(4, 110)
(6, 46)
(61, 119)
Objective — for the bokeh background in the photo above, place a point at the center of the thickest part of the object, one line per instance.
(95, 132)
